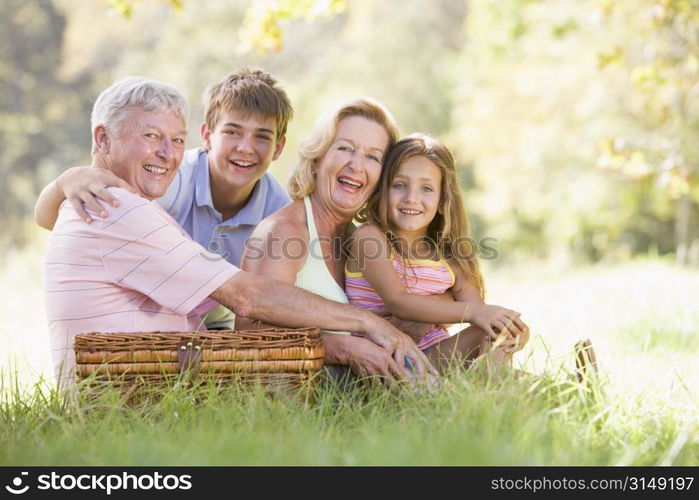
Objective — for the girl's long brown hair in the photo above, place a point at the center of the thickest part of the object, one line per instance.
(450, 230)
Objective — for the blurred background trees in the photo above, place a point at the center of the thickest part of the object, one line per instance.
(575, 122)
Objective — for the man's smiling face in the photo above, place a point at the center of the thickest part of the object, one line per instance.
(146, 150)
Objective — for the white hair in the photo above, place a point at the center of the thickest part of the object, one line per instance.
(112, 105)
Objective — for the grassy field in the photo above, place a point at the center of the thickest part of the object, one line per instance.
(641, 316)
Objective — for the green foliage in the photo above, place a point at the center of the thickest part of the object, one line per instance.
(41, 115)
(262, 24)
(657, 47)
(573, 123)
(592, 170)
(126, 7)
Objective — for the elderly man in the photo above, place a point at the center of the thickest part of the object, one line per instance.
(137, 270)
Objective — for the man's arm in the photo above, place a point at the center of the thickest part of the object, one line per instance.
(279, 303)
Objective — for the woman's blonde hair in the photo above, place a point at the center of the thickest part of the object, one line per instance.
(449, 231)
(302, 182)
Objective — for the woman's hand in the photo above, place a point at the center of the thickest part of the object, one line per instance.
(412, 329)
(367, 359)
(400, 347)
(85, 187)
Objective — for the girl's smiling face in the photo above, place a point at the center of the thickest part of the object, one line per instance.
(414, 196)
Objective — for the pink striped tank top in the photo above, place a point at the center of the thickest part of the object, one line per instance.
(419, 276)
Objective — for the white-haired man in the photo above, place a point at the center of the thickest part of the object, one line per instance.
(137, 270)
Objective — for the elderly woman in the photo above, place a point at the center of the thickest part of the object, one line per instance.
(303, 243)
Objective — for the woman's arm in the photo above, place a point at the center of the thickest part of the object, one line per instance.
(282, 304)
(80, 185)
(269, 253)
(372, 254)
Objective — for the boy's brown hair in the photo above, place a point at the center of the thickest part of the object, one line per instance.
(248, 91)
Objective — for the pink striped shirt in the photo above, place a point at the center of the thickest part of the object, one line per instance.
(419, 276)
(134, 271)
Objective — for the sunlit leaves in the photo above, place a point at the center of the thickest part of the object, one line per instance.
(262, 27)
(614, 56)
(126, 7)
(670, 173)
(661, 63)
(262, 30)
(616, 155)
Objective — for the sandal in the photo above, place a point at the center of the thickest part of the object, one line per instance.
(585, 360)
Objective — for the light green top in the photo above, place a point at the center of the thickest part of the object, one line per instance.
(219, 317)
(315, 276)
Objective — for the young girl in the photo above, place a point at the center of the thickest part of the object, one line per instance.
(414, 260)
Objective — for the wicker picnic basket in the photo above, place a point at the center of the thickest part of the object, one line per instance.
(266, 356)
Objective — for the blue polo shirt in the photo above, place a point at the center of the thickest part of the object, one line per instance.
(188, 200)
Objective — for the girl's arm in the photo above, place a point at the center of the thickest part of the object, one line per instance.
(371, 254)
(80, 185)
(517, 332)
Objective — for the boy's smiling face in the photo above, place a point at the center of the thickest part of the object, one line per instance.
(241, 147)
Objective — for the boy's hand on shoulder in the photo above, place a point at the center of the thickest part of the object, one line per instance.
(85, 187)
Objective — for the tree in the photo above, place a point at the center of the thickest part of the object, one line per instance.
(659, 53)
(42, 116)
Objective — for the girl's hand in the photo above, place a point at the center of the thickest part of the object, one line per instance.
(85, 187)
(495, 320)
(512, 337)
(521, 336)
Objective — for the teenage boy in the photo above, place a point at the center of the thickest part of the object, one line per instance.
(221, 191)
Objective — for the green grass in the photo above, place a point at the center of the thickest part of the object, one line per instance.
(641, 316)
(661, 333)
(544, 419)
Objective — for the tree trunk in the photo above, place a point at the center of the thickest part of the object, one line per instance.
(682, 227)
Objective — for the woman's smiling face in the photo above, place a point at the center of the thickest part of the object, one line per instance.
(349, 171)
